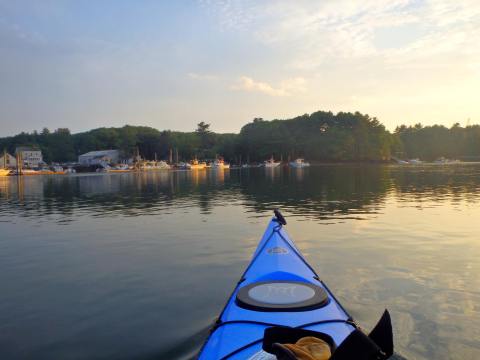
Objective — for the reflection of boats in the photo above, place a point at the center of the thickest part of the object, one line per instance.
(271, 163)
(197, 165)
(220, 164)
(278, 298)
(299, 163)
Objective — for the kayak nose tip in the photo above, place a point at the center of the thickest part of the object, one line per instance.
(279, 217)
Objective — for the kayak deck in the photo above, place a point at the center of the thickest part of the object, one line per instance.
(238, 333)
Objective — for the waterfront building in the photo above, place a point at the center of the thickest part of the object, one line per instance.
(31, 157)
(100, 157)
(7, 161)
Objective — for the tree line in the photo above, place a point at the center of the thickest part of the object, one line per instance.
(320, 136)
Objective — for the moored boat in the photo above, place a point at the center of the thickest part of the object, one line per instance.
(415, 161)
(154, 165)
(220, 164)
(443, 160)
(299, 163)
(183, 166)
(280, 300)
(197, 165)
(5, 172)
(271, 163)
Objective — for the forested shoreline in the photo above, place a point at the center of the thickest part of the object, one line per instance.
(320, 136)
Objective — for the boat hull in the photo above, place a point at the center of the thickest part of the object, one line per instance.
(299, 166)
(238, 333)
(272, 165)
(4, 172)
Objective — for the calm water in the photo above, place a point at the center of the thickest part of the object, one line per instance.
(137, 266)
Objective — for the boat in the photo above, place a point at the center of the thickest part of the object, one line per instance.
(220, 164)
(197, 165)
(31, 172)
(5, 172)
(442, 160)
(280, 299)
(183, 166)
(415, 161)
(299, 163)
(162, 165)
(271, 163)
(58, 170)
(155, 165)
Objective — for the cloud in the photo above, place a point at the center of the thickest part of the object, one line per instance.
(287, 87)
(322, 32)
(197, 76)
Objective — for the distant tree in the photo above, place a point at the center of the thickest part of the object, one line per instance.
(203, 128)
(207, 140)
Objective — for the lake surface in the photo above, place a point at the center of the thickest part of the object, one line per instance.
(137, 266)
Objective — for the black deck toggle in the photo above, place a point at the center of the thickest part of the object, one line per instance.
(279, 217)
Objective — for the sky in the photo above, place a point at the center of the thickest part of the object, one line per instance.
(171, 64)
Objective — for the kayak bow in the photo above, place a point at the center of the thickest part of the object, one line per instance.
(278, 288)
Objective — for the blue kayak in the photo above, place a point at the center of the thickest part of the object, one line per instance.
(278, 289)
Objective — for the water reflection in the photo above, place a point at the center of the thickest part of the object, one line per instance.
(149, 258)
(324, 193)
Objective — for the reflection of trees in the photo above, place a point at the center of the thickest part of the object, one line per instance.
(317, 192)
(110, 195)
(437, 183)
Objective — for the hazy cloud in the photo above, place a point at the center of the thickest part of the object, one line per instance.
(197, 76)
(287, 87)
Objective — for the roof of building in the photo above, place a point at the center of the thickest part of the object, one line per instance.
(25, 148)
(8, 155)
(98, 153)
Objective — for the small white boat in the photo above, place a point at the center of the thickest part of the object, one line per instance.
(271, 163)
(183, 166)
(220, 164)
(443, 160)
(197, 165)
(415, 161)
(34, 172)
(299, 163)
(163, 165)
(57, 169)
(155, 165)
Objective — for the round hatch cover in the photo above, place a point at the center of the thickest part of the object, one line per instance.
(281, 296)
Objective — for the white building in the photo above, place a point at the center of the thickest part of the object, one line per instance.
(30, 157)
(100, 157)
(7, 161)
